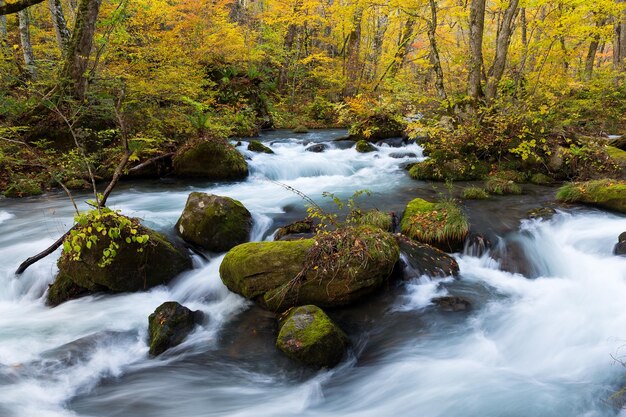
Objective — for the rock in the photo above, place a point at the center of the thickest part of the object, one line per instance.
(135, 267)
(374, 218)
(541, 179)
(607, 194)
(452, 304)
(421, 259)
(402, 155)
(258, 147)
(442, 225)
(502, 186)
(214, 223)
(296, 228)
(330, 270)
(620, 247)
(475, 193)
(169, 325)
(211, 159)
(617, 154)
(309, 336)
(320, 147)
(363, 146)
(392, 142)
(541, 213)
(448, 170)
(22, 187)
(301, 130)
(477, 245)
(377, 127)
(64, 289)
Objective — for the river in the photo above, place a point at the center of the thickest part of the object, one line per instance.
(540, 344)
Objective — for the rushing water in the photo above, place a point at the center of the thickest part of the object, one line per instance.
(529, 347)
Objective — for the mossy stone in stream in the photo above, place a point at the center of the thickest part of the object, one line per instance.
(378, 127)
(606, 193)
(541, 179)
(256, 146)
(301, 130)
(426, 260)
(363, 146)
(214, 223)
(135, 267)
(211, 159)
(309, 336)
(374, 218)
(169, 325)
(475, 193)
(64, 289)
(448, 170)
(502, 186)
(442, 225)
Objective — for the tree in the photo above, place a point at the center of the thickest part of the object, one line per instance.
(476, 34)
(27, 47)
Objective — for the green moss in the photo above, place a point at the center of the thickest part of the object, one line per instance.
(475, 193)
(256, 146)
(308, 335)
(510, 175)
(63, 289)
(299, 227)
(301, 129)
(374, 218)
(617, 154)
(23, 187)
(212, 159)
(363, 146)
(447, 170)
(541, 179)
(610, 194)
(442, 225)
(501, 186)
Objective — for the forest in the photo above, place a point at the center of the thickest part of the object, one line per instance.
(312, 208)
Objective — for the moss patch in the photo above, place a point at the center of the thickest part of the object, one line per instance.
(475, 193)
(363, 146)
(64, 289)
(256, 146)
(374, 218)
(617, 154)
(609, 194)
(450, 170)
(541, 179)
(210, 158)
(301, 129)
(502, 186)
(442, 225)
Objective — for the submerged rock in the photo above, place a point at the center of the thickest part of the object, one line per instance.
(363, 146)
(301, 130)
(442, 225)
(169, 325)
(320, 147)
(452, 303)
(309, 336)
(256, 146)
(607, 194)
(135, 266)
(402, 155)
(421, 259)
(448, 170)
(330, 270)
(214, 223)
(545, 213)
(477, 245)
(212, 159)
(620, 247)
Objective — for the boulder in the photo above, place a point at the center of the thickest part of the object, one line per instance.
(318, 148)
(214, 223)
(402, 155)
(420, 259)
(607, 194)
(620, 247)
(541, 179)
(452, 303)
(301, 129)
(302, 227)
(258, 147)
(64, 289)
(211, 159)
(330, 270)
(309, 336)
(545, 213)
(477, 245)
(363, 146)
(393, 142)
(134, 266)
(502, 186)
(169, 325)
(442, 225)
(377, 127)
(374, 218)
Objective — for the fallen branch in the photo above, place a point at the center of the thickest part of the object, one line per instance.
(28, 262)
(150, 162)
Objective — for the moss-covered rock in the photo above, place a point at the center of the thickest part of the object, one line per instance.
(309, 336)
(475, 193)
(214, 223)
(620, 247)
(331, 270)
(374, 218)
(541, 179)
(421, 259)
(212, 159)
(442, 225)
(317, 148)
(301, 129)
(256, 146)
(23, 187)
(452, 303)
(545, 213)
(608, 194)
(364, 146)
(169, 325)
(448, 170)
(617, 154)
(502, 186)
(135, 267)
(377, 127)
(64, 289)
(301, 227)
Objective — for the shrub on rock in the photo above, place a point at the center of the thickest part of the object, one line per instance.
(256, 146)
(442, 225)
(169, 325)
(608, 194)
(309, 336)
(212, 159)
(214, 223)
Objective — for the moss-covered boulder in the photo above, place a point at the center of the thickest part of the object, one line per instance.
(502, 186)
(309, 336)
(258, 147)
(330, 270)
(378, 127)
(475, 193)
(364, 146)
(617, 154)
(301, 129)
(620, 247)
(132, 258)
(169, 325)
(211, 159)
(301, 228)
(64, 289)
(448, 170)
(608, 194)
(420, 259)
(442, 225)
(374, 218)
(214, 223)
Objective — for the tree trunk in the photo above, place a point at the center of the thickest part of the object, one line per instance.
(590, 60)
(382, 24)
(59, 23)
(477, 29)
(27, 47)
(434, 52)
(353, 53)
(79, 48)
(290, 40)
(619, 43)
(16, 6)
(403, 47)
(503, 40)
(3, 27)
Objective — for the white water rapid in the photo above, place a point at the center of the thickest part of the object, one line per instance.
(529, 347)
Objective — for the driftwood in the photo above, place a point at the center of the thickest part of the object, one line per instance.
(28, 262)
